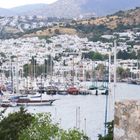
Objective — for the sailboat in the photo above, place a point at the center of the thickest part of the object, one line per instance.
(103, 89)
(93, 87)
(62, 90)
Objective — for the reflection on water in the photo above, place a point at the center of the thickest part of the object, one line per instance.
(92, 108)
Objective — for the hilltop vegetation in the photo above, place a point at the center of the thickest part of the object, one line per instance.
(95, 27)
(56, 30)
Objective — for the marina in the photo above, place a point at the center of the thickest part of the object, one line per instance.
(90, 107)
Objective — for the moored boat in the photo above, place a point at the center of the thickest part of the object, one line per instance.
(29, 102)
(52, 90)
(8, 103)
(32, 100)
(103, 90)
(83, 91)
(62, 90)
(73, 91)
(93, 90)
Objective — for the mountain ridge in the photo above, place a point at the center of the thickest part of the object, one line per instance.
(72, 8)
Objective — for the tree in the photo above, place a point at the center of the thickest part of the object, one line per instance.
(12, 126)
(109, 136)
(25, 126)
(120, 72)
(57, 31)
(123, 73)
(138, 54)
(2, 55)
(101, 69)
(97, 56)
(43, 129)
(94, 56)
(50, 31)
(26, 70)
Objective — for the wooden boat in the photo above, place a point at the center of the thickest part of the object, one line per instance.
(32, 100)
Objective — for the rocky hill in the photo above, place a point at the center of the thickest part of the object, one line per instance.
(92, 28)
(126, 18)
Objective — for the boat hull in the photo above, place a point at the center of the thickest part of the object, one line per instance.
(36, 103)
(102, 91)
(8, 104)
(93, 92)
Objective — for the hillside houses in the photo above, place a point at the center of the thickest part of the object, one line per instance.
(64, 52)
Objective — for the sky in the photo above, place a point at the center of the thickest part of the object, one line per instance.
(15, 3)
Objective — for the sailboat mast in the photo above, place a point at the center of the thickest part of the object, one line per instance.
(109, 78)
(109, 93)
(115, 67)
(92, 80)
(12, 84)
(73, 71)
(51, 68)
(17, 81)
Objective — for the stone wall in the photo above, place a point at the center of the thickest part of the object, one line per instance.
(127, 120)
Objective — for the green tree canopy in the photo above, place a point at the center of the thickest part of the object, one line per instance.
(43, 129)
(109, 136)
(25, 126)
(11, 126)
(95, 56)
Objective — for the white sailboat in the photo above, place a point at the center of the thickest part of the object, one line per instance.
(93, 90)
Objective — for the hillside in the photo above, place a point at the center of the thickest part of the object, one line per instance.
(52, 31)
(94, 28)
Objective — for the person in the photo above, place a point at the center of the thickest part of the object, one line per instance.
(96, 92)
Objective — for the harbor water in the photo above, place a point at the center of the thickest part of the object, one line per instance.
(90, 109)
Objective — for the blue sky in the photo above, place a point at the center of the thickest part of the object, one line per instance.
(14, 3)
